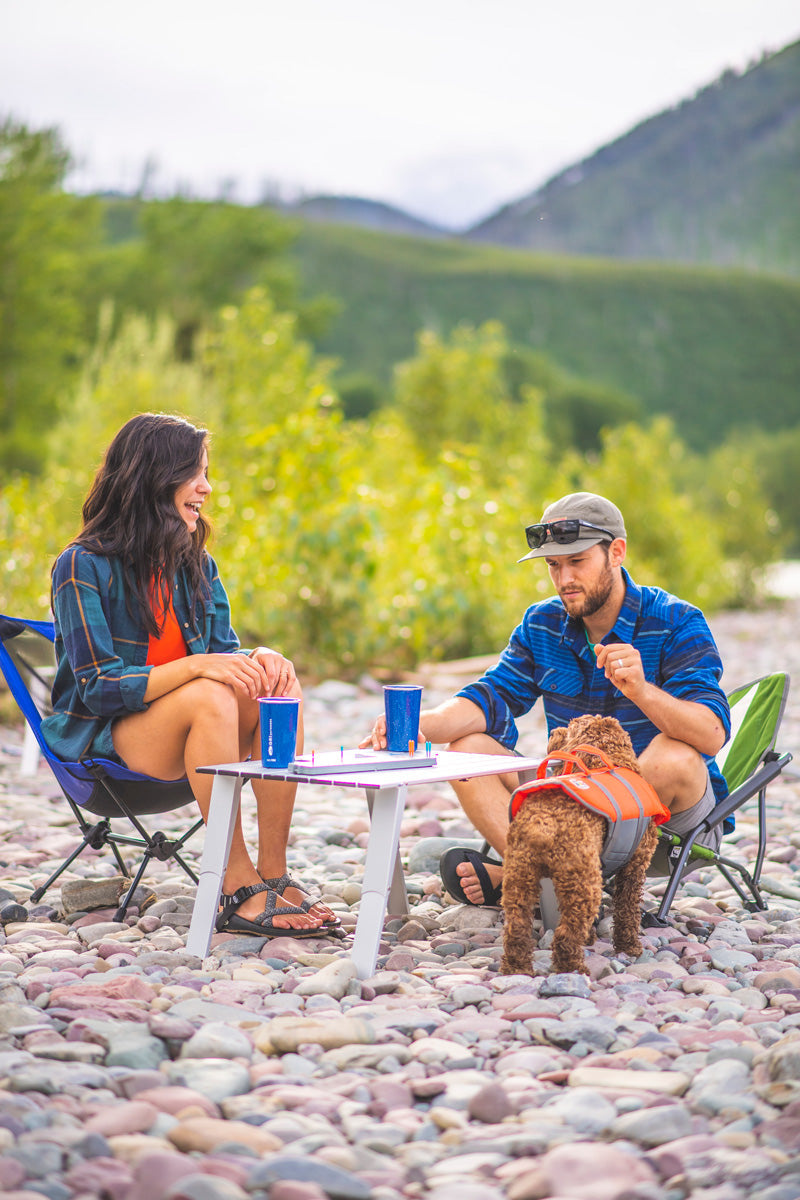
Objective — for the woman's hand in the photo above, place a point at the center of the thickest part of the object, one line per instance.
(239, 671)
(278, 672)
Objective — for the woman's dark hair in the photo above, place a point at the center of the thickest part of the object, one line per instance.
(130, 511)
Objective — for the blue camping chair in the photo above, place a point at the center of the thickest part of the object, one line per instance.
(98, 786)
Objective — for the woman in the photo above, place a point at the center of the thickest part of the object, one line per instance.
(149, 669)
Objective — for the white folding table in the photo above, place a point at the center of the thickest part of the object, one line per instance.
(383, 887)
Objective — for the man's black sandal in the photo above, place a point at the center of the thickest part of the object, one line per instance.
(452, 880)
(229, 921)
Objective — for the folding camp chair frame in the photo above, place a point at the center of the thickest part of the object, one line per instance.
(107, 804)
(686, 853)
(681, 850)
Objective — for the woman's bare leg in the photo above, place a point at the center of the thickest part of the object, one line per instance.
(197, 724)
(274, 806)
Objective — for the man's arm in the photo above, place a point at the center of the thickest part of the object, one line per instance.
(685, 720)
(455, 718)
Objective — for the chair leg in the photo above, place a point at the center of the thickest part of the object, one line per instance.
(95, 837)
(185, 866)
(762, 838)
(121, 912)
(159, 847)
(725, 866)
(755, 901)
(672, 886)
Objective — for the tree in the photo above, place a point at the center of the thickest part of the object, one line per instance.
(456, 393)
(576, 411)
(46, 242)
(193, 256)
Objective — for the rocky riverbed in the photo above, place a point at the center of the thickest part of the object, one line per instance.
(134, 1071)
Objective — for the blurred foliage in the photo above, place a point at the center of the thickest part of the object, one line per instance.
(769, 463)
(381, 542)
(683, 515)
(705, 346)
(455, 393)
(576, 411)
(187, 258)
(360, 394)
(47, 241)
(776, 462)
(68, 262)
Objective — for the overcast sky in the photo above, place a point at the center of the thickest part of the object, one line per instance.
(448, 108)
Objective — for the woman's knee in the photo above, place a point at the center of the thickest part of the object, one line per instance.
(210, 699)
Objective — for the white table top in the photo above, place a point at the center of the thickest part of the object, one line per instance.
(449, 765)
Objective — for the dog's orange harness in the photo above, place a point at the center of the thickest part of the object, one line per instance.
(623, 797)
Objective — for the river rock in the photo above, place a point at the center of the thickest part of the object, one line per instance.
(204, 1134)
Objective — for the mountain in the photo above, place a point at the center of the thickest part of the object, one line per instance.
(713, 348)
(369, 214)
(714, 180)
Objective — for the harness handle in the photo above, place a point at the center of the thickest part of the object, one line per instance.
(571, 759)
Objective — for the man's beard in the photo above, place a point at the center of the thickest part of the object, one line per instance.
(592, 600)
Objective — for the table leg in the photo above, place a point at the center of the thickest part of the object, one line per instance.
(397, 904)
(225, 796)
(380, 873)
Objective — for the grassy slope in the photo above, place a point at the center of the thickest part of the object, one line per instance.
(712, 348)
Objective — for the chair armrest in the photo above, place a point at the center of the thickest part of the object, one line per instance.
(763, 775)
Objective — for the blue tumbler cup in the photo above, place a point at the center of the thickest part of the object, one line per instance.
(279, 717)
(402, 704)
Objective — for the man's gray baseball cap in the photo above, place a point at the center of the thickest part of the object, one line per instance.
(598, 521)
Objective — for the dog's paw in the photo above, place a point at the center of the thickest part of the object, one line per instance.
(563, 964)
(515, 967)
(630, 949)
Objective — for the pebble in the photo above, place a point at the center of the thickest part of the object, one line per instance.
(132, 1070)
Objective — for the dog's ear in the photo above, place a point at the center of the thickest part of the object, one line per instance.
(557, 739)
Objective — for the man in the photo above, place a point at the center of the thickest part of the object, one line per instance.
(603, 645)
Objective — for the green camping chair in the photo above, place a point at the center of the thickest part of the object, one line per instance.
(749, 762)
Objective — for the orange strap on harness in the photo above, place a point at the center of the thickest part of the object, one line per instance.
(616, 793)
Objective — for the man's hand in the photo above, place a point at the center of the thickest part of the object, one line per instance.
(622, 665)
(377, 739)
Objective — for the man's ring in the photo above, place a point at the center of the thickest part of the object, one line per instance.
(620, 663)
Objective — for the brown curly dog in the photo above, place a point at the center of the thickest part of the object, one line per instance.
(554, 836)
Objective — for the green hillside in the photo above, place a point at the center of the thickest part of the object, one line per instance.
(714, 180)
(714, 349)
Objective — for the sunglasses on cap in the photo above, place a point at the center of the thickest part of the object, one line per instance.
(561, 532)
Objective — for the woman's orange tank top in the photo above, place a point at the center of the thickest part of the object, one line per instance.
(171, 644)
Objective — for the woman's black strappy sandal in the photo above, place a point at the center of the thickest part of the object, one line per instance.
(229, 921)
(281, 882)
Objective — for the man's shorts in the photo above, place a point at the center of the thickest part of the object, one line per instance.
(683, 822)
